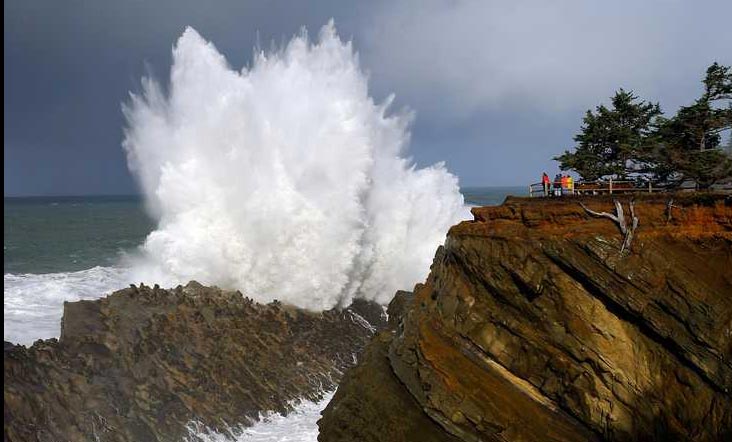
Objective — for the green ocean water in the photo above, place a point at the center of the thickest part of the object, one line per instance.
(69, 234)
(490, 196)
(58, 249)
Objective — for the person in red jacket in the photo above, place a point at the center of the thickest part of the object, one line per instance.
(546, 183)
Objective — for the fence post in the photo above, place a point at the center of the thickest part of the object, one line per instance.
(531, 191)
(650, 188)
(611, 185)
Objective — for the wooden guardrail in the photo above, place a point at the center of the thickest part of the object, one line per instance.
(592, 188)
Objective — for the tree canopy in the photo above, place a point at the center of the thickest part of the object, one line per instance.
(632, 137)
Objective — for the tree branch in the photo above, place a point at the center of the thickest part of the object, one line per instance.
(670, 205)
(599, 214)
(629, 233)
(619, 219)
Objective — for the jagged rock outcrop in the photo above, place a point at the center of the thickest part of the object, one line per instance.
(533, 326)
(142, 363)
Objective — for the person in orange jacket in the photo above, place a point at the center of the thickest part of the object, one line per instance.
(546, 183)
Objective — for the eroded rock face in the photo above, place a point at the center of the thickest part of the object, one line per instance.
(532, 326)
(142, 363)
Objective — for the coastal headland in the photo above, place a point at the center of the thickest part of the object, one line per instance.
(535, 323)
(534, 326)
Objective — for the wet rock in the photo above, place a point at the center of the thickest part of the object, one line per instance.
(142, 363)
(398, 307)
(372, 382)
(533, 326)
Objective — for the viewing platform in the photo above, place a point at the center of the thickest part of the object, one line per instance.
(599, 187)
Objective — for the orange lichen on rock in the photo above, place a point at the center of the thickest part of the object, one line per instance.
(534, 326)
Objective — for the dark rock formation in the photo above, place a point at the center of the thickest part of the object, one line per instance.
(142, 363)
(533, 326)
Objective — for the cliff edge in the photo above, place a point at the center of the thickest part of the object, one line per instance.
(533, 325)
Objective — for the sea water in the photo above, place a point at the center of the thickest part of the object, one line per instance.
(58, 249)
(63, 249)
(300, 425)
(284, 179)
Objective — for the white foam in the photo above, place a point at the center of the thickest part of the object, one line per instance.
(33, 303)
(284, 180)
(298, 426)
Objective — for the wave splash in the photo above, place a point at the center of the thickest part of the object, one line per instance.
(300, 425)
(33, 303)
(284, 180)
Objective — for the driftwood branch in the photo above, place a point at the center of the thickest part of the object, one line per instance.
(670, 205)
(599, 214)
(628, 230)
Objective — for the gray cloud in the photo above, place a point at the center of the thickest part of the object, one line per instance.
(498, 87)
(456, 58)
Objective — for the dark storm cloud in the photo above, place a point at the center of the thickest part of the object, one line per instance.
(503, 85)
(498, 87)
(69, 65)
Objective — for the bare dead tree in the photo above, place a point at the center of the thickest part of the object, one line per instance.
(627, 229)
(670, 205)
(631, 229)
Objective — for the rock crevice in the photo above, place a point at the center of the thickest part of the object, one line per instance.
(144, 363)
(535, 324)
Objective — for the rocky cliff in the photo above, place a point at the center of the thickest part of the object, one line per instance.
(534, 326)
(143, 363)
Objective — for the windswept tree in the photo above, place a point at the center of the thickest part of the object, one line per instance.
(633, 137)
(613, 141)
(690, 143)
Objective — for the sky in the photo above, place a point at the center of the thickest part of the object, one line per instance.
(498, 88)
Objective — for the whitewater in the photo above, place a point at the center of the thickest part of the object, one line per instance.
(300, 425)
(33, 303)
(285, 179)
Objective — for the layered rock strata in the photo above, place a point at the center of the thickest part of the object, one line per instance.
(144, 363)
(534, 326)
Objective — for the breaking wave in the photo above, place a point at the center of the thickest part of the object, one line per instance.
(284, 180)
(33, 303)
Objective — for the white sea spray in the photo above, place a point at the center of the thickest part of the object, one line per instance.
(283, 180)
(300, 425)
(33, 303)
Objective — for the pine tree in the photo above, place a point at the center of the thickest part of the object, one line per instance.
(690, 142)
(612, 140)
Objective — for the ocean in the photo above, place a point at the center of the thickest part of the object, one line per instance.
(60, 249)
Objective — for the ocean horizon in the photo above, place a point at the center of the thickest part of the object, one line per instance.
(66, 248)
(46, 234)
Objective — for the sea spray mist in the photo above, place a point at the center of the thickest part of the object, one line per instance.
(283, 180)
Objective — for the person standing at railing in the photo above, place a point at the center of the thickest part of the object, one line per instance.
(558, 185)
(565, 185)
(546, 184)
(570, 184)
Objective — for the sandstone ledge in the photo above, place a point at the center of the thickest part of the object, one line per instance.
(532, 326)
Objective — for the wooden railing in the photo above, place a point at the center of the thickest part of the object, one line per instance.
(536, 188)
(593, 188)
